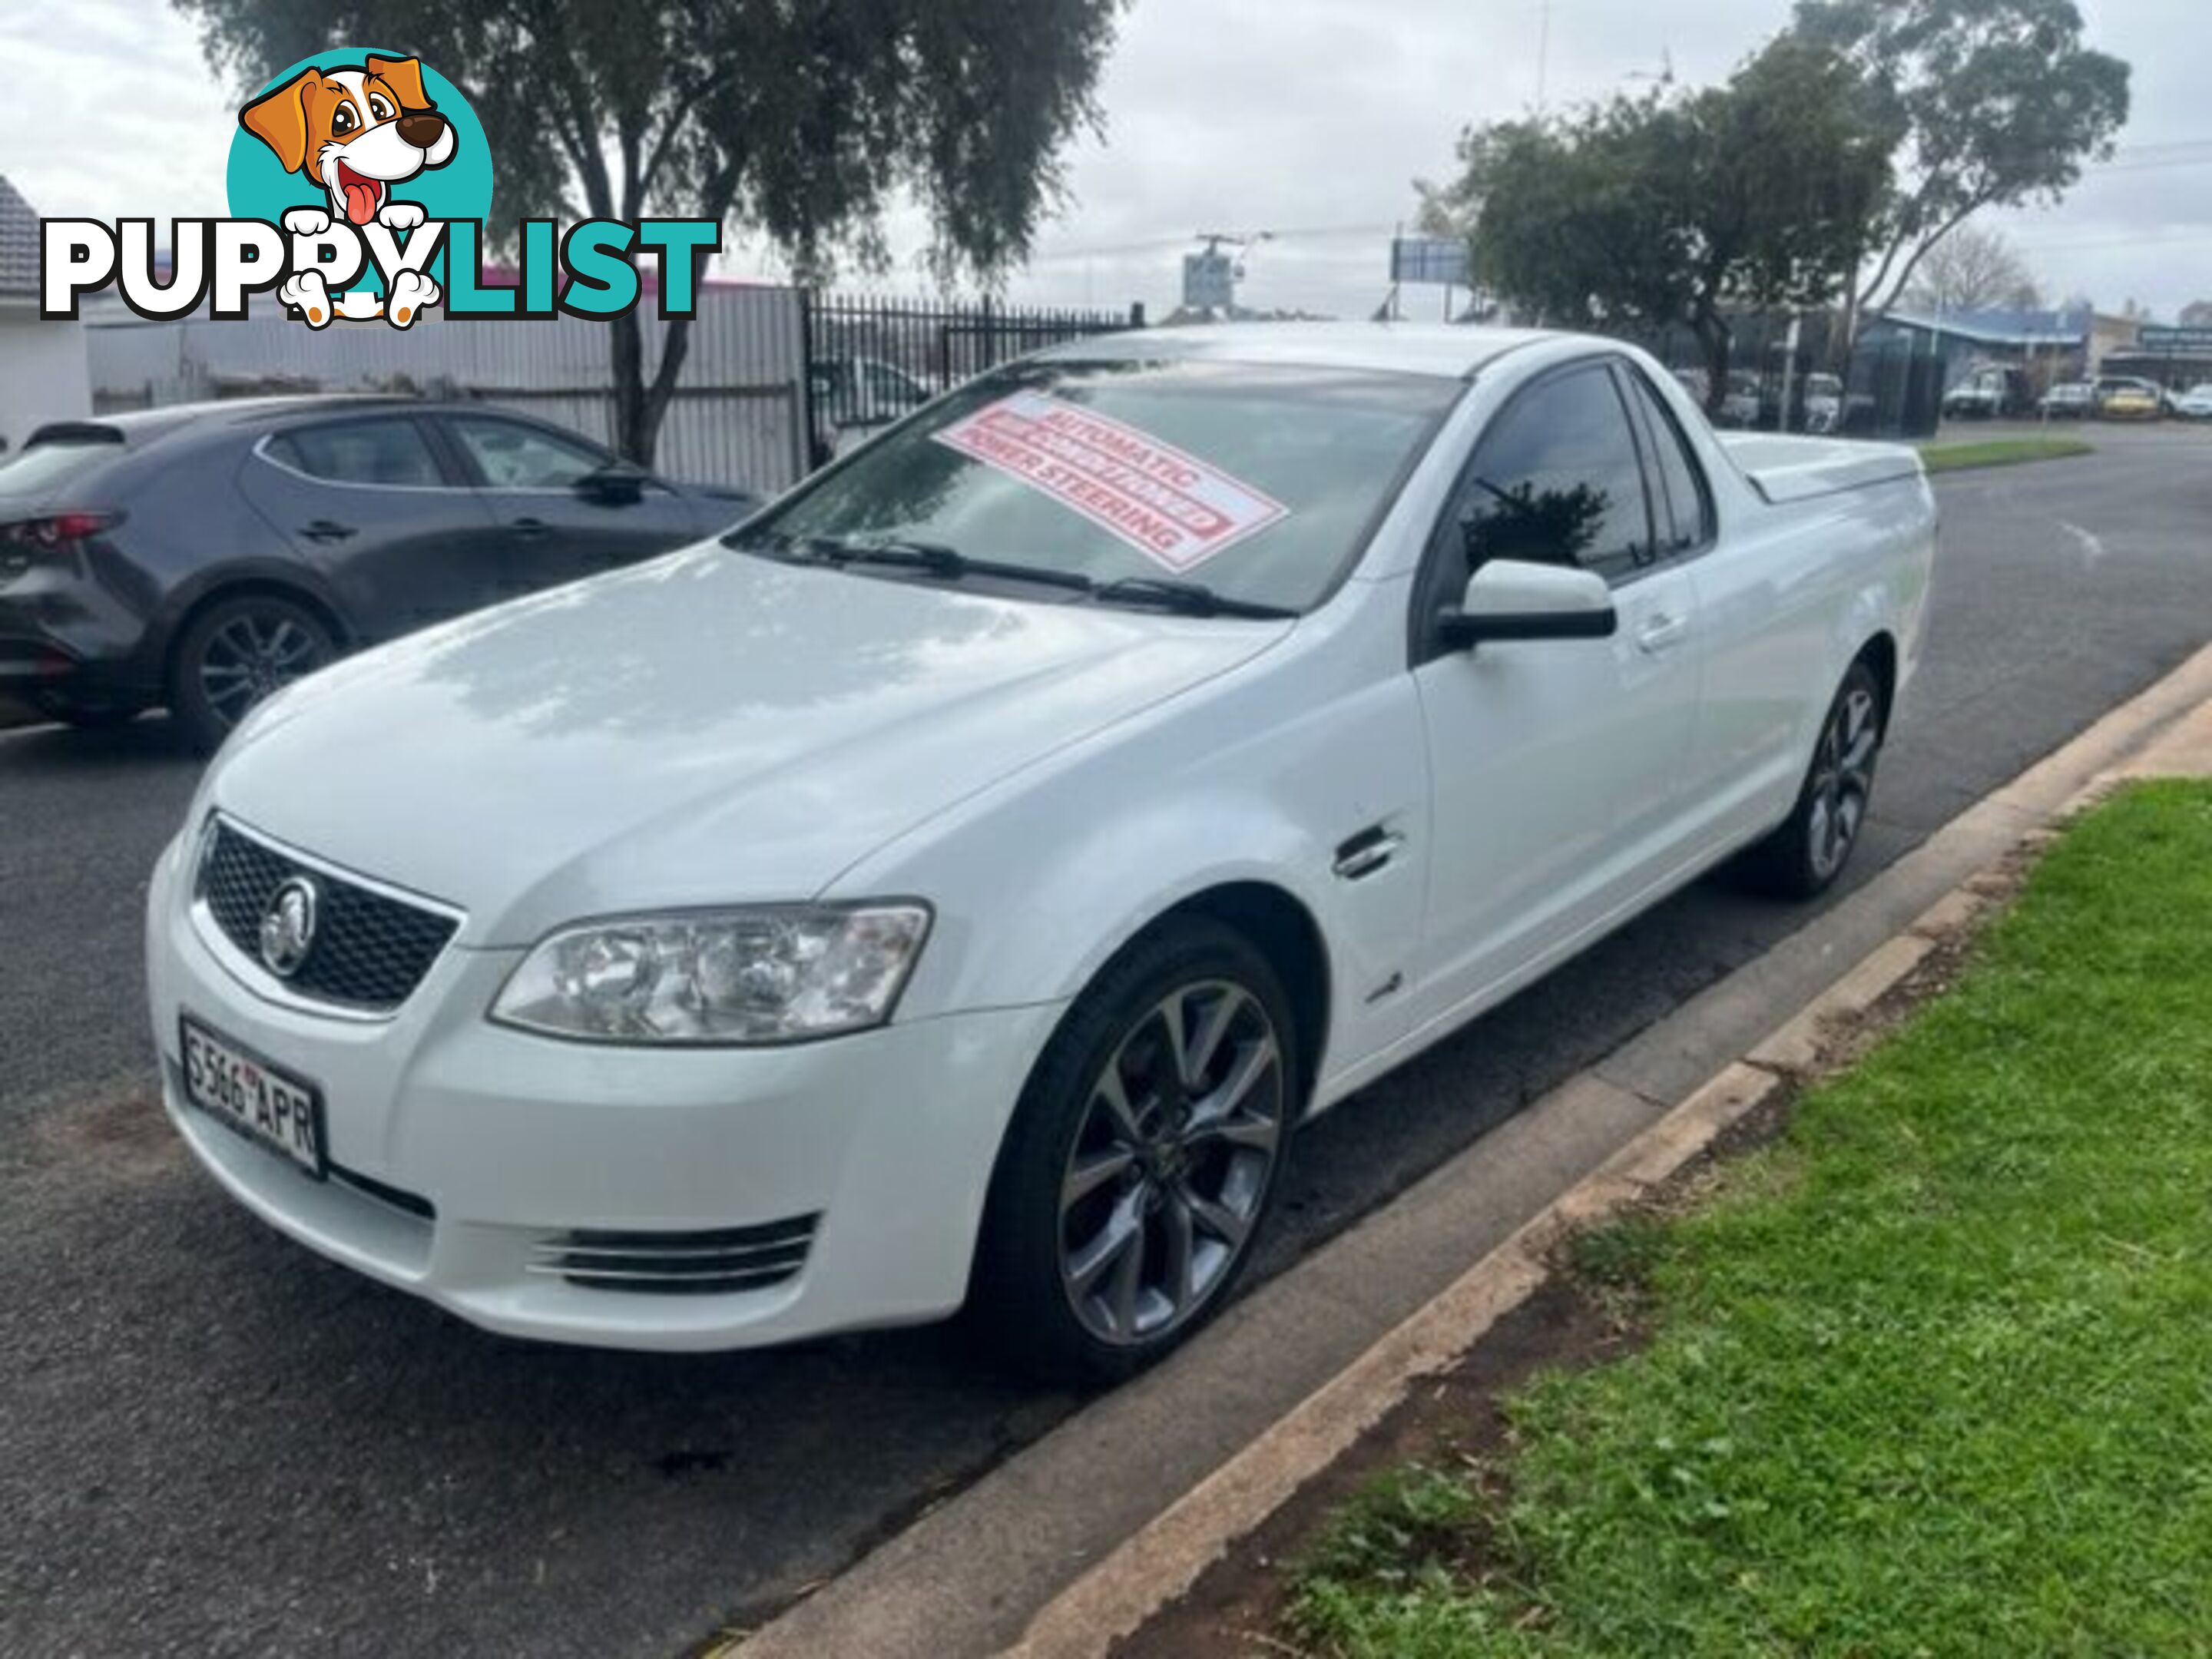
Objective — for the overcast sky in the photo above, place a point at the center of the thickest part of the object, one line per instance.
(1305, 118)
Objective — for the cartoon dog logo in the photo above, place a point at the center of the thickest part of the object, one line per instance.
(356, 132)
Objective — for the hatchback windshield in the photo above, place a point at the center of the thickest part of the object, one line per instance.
(1259, 482)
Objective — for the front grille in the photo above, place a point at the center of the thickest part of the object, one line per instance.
(370, 950)
(695, 1263)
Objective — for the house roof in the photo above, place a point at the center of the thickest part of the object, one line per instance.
(2000, 325)
(19, 243)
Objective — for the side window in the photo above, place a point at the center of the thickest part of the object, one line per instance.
(515, 457)
(391, 451)
(1686, 517)
(1558, 481)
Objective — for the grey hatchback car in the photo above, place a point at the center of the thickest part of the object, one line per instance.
(205, 555)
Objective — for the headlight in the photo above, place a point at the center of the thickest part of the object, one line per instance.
(770, 973)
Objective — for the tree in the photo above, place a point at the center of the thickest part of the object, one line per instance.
(1674, 207)
(1970, 270)
(803, 120)
(1997, 103)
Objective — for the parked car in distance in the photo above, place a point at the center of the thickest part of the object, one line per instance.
(203, 556)
(1823, 404)
(973, 871)
(1991, 392)
(1742, 406)
(2069, 400)
(2195, 404)
(2130, 400)
(854, 397)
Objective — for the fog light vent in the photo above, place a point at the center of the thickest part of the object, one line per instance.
(715, 1262)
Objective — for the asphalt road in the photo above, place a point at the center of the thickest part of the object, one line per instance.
(211, 1442)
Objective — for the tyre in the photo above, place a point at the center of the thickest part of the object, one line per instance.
(1142, 1160)
(235, 653)
(1807, 851)
(87, 715)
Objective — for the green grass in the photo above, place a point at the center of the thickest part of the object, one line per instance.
(2001, 451)
(1932, 1375)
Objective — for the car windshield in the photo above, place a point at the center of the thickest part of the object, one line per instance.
(1259, 482)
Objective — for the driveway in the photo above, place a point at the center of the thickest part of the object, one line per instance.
(211, 1442)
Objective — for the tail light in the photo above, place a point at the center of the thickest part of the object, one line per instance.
(56, 528)
(24, 540)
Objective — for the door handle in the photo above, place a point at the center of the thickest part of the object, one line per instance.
(531, 527)
(326, 530)
(1659, 632)
(1366, 853)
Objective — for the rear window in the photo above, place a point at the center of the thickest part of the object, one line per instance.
(43, 468)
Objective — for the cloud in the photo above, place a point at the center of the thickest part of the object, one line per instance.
(1307, 117)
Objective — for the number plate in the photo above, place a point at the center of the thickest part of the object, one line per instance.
(252, 1097)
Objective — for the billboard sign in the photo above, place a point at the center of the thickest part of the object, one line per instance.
(1441, 261)
(2176, 341)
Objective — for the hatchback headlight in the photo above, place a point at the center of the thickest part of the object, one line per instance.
(770, 973)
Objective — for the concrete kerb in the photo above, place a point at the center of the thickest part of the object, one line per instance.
(966, 1578)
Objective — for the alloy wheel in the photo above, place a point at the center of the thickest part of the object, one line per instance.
(1171, 1162)
(1843, 781)
(254, 655)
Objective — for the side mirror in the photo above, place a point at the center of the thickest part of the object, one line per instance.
(618, 483)
(1514, 599)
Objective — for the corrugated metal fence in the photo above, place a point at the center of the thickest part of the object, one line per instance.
(737, 416)
(746, 410)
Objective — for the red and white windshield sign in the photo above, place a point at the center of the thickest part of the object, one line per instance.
(1170, 506)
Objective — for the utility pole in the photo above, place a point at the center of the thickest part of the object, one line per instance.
(1544, 57)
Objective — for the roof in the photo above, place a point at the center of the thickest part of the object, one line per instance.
(19, 242)
(1999, 324)
(1437, 349)
(140, 426)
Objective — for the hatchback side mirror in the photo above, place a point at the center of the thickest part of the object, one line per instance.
(1515, 599)
(617, 483)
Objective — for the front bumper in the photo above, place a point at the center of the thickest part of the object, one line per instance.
(464, 1152)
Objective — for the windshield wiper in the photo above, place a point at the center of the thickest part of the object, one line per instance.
(1186, 598)
(949, 564)
(934, 559)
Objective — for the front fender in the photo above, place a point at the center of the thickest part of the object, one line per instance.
(1039, 928)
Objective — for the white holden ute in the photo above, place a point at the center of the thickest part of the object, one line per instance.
(958, 884)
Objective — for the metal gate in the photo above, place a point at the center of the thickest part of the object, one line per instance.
(869, 360)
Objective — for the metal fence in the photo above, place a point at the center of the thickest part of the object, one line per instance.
(870, 359)
(1885, 391)
(736, 416)
(777, 379)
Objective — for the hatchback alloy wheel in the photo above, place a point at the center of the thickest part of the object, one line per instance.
(240, 653)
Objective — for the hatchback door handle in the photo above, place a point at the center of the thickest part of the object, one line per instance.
(1660, 632)
(326, 530)
(531, 526)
